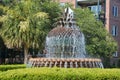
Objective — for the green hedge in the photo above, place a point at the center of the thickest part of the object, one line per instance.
(60, 74)
(10, 67)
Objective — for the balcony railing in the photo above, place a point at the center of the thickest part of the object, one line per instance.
(89, 2)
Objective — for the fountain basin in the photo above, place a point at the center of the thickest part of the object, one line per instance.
(66, 63)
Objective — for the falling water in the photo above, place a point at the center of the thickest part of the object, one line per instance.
(66, 40)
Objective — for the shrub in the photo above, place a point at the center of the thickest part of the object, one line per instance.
(10, 67)
(61, 74)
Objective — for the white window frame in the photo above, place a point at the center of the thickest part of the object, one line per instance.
(115, 11)
(114, 30)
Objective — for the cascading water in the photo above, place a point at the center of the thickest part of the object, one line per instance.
(66, 40)
(65, 46)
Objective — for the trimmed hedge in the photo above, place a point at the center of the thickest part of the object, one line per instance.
(10, 67)
(61, 74)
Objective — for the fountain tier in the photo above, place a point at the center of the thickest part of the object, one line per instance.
(64, 42)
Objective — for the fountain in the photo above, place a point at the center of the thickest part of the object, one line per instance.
(65, 46)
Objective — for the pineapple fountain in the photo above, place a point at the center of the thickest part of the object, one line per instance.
(65, 46)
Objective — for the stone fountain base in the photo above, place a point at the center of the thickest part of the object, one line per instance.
(66, 63)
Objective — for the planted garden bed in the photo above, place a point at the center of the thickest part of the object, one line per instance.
(60, 74)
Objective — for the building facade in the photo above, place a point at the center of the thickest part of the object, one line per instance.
(109, 12)
(113, 24)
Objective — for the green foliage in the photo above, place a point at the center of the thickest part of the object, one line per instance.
(27, 23)
(98, 41)
(54, 11)
(11, 67)
(61, 74)
(22, 24)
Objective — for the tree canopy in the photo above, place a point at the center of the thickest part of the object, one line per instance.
(98, 41)
(27, 22)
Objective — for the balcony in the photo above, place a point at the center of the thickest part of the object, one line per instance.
(89, 2)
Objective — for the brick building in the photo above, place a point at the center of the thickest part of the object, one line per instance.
(106, 10)
(113, 23)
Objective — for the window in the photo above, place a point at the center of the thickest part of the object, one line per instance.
(62, 4)
(115, 11)
(95, 9)
(114, 30)
(115, 54)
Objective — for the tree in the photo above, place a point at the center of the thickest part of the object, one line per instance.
(26, 24)
(98, 41)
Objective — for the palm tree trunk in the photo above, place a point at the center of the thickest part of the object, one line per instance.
(25, 55)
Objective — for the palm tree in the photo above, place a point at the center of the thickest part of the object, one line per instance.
(24, 26)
